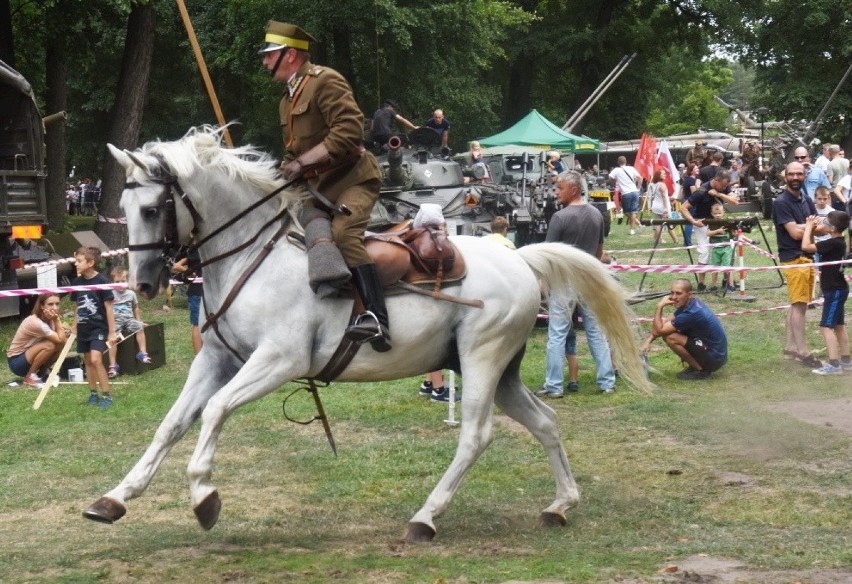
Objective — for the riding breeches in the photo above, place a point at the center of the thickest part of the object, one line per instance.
(348, 230)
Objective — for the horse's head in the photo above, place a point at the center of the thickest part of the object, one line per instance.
(157, 222)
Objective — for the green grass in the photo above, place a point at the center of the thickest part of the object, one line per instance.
(654, 473)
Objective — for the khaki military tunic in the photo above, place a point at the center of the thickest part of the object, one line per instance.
(323, 109)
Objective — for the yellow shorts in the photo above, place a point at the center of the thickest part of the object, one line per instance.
(800, 282)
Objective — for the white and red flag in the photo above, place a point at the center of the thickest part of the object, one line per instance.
(666, 161)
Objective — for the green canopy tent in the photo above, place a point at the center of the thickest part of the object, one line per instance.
(536, 131)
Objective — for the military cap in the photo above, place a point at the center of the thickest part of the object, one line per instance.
(281, 34)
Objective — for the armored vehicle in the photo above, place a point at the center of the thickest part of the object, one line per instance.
(416, 171)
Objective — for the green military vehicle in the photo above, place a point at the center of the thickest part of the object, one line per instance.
(23, 207)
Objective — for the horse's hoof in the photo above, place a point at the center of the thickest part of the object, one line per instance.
(419, 533)
(207, 512)
(105, 510)
(548, 519)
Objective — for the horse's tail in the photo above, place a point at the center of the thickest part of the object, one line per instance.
(566, 271)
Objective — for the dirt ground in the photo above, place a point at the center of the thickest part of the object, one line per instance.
(833, 413)
(836, 414)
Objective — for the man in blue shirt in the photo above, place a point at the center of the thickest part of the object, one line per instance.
(694, 333)
(814, 175)
(440, 125)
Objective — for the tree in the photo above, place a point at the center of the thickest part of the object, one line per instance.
(800, 52)
(684, 103)
(126, 118)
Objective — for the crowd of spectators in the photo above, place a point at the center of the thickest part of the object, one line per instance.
(82, 197)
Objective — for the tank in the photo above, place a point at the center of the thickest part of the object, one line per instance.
(416, 170)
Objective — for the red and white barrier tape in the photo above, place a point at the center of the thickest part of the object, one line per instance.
(120, 220)
(71, 260)
(761, 251)
(739, 312)
(61, 289)
(181, 282)
(662, 249)
(704, 268)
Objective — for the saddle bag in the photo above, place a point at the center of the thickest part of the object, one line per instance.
(430, 248)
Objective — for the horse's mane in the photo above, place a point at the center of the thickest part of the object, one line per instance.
(201, 149)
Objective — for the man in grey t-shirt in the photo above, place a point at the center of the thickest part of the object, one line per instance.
(581, 225)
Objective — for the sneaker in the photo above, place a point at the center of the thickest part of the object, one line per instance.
(33, 380)
(572, 386)
(702, 287)
(714, 288)
(690, 374)
(733, 289)
(93, 399)
(113, 371)
(809, 361)
(426, 388)
(105, 402)
(143, 358)
(828, 369)
(443, 395)
(847, 366)
(541, 391)
(606, 390)
(632, 232)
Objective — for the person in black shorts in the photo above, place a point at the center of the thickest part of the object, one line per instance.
(693, 332)
(94, 323)
(835, 290)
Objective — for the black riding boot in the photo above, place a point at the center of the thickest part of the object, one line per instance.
(372, 325)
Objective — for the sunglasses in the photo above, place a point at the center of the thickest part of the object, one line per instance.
(801, 157)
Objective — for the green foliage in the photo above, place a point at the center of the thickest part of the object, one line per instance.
(800, 53)
(685, 102)
(485, 62)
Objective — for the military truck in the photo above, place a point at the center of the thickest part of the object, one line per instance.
(23, 207)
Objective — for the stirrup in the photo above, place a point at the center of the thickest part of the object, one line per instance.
(368, 329)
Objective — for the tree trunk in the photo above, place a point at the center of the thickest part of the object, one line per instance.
(126, 117)
(56, 101)
(518, 100)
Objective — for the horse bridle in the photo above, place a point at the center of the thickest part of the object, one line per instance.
(170, 243)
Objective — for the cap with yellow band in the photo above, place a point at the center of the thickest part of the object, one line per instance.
(281, 34)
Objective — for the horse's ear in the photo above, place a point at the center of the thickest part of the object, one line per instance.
(136, 161)
(121, 157)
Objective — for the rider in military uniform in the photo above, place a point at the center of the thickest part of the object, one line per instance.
(323, 141)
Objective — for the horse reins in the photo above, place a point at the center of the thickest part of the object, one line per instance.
(170, 241)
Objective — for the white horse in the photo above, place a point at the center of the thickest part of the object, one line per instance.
(284, 332)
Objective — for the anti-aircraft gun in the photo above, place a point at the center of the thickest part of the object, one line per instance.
(419, 171)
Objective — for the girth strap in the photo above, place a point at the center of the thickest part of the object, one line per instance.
(343, 355)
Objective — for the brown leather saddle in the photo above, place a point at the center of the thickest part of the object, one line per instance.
(422, 255)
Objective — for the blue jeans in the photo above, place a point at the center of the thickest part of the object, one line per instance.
(558, 327)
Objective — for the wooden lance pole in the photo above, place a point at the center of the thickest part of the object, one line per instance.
(54, 373)
(208, 83)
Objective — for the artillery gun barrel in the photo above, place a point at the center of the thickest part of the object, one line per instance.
(395, 172)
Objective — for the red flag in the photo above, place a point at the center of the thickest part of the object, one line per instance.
(645, 156)
(665, 161)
